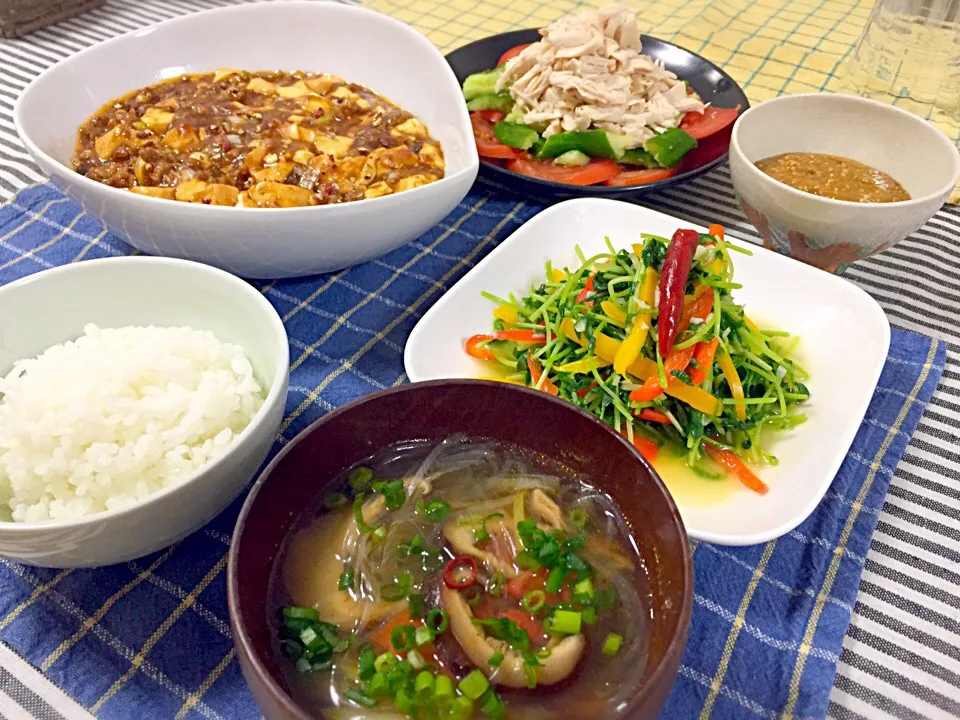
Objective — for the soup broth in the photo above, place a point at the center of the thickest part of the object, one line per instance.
(458, 580)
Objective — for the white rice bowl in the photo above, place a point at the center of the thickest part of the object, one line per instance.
(103, 422)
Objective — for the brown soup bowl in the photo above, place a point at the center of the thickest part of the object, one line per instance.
(524, 418)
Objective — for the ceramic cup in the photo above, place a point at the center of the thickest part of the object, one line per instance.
(828, 233)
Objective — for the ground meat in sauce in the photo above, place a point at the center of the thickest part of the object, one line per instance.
(257, 139)
(834, 177)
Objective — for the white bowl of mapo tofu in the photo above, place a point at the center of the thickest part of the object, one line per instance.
(264, 156)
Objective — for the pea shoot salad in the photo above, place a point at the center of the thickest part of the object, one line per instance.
(651, 341)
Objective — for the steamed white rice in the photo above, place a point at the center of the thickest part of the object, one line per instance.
(106, 420)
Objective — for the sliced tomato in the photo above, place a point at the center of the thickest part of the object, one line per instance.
(487, 144)
(640, 177)
(595, 171)
(528, 623)
(710, 121)
(491, 116)
(512, 53)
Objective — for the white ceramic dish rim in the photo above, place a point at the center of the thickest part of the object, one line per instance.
(761, 176)
(280, 336)
(250, 8)
(859, 411)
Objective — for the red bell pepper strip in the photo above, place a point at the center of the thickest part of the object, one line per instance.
(460, 573)
(536, 371)
(646, 447)
(699, 308)
(653, 416)
(704, 357)
(475, 344)
(677, 360)
(582, 392)
(673, 283)
(715, 231)
(736, 467)
(587, 289)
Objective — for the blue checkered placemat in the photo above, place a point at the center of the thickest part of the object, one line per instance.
(151, 637)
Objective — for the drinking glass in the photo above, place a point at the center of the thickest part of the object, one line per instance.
(909, 55)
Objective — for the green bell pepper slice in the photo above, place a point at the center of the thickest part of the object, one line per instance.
(670, 146)
(595, 143)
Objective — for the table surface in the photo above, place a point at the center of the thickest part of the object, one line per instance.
(901, 656)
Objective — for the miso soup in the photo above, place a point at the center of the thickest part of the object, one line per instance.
(463, 579)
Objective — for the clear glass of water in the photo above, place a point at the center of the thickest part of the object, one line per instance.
(909, 55)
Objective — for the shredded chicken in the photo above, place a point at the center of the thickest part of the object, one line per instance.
(588, 71)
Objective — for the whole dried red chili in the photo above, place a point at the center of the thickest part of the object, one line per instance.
(673, 283)
(460, 573)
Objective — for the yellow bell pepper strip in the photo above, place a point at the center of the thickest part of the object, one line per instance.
(586, 365)
(643, 368)
(507, 314)
(752, 325)
(704, 356)
(557, 275)
(536, 373)
(476, 344)
(733, 380)
(495, 378)
(630, 348)
(614, 312)
(736, 467)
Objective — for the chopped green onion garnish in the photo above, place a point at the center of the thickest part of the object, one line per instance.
(530, 675)
(438, 620)
(462, 708)
(492, 706)
(346, 580)
(416, 660)
(379, 534)
(358, 514)
(443, 687)
(402, 637)
(424, 686)
(472, 595)
(360, 478)
(584, 587)
(431, 560)
(495, 586)
(359, 698)
(416, 605)
(474, 685)
(423, 636)
(384, 662)
(611, 646)
(555, 580)
(495, 659)
(393, 592)
(435, 510)
(404, 701)
(534, 601)
(366, 663)
(566, 621)
(300, 613)
(334, 500)
(579, 517)
(588, 615)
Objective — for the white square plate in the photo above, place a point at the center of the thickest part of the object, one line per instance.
(834, 319)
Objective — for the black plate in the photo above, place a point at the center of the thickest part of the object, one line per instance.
(709, 81)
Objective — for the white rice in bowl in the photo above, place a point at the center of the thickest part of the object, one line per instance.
(104, 421)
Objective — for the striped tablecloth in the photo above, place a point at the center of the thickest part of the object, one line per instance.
(901, 656)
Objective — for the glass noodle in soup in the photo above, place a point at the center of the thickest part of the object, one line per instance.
(463, 579)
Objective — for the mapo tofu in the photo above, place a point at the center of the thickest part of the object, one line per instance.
(257, 139)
